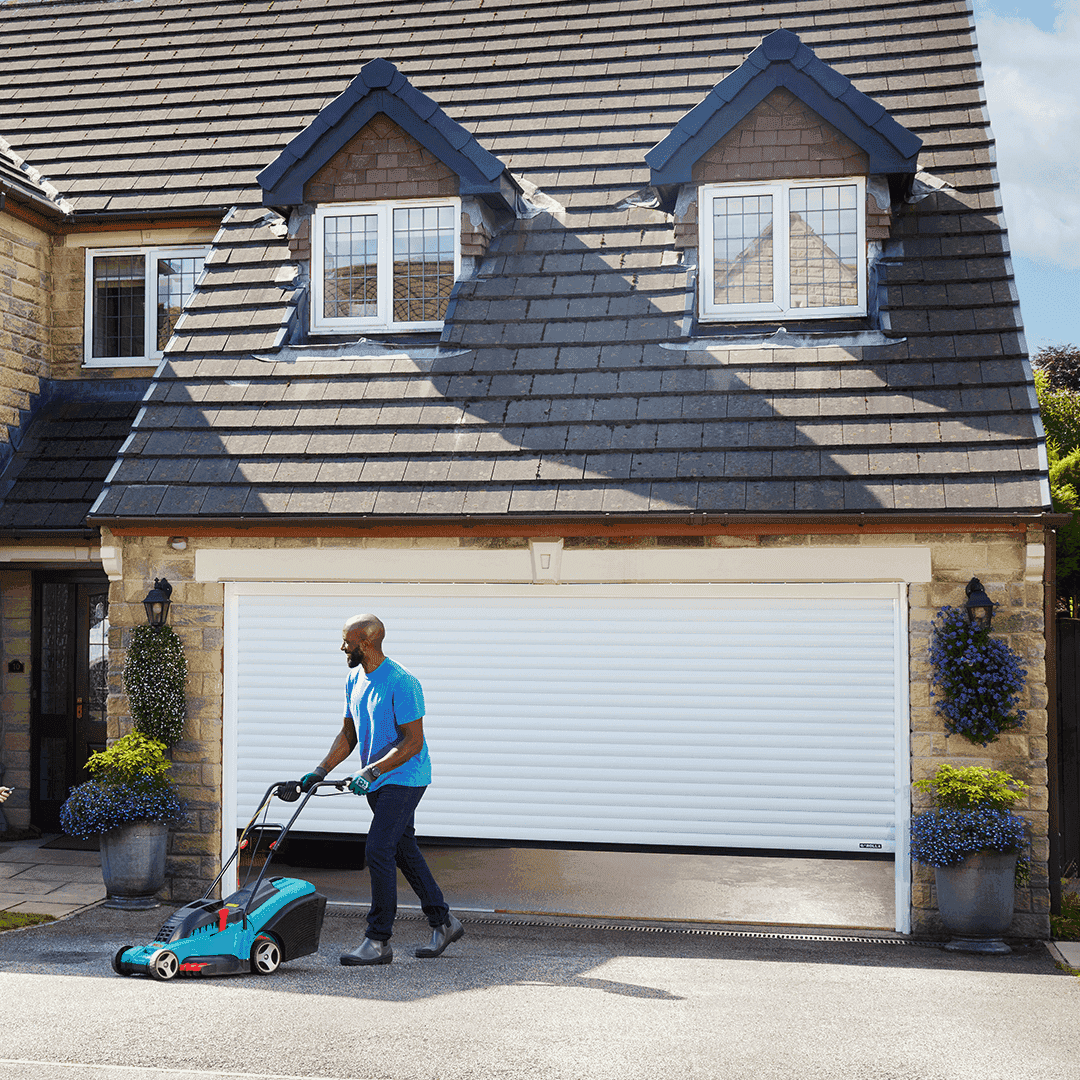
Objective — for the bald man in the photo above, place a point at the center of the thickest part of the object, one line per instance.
(384, 718)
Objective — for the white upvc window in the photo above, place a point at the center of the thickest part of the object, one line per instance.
(384, 265)
(787, 249)
(133, 298)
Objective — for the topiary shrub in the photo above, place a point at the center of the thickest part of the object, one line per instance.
(155, 673)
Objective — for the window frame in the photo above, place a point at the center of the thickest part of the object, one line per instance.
(383, 209)
(151, 255)
(780, 190)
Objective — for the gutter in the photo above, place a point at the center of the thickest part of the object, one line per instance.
(524, 524)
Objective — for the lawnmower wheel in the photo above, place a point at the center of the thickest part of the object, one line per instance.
(265, 955)
(118, 965)
(164, 965)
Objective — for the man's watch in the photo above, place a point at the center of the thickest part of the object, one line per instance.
(376, 773)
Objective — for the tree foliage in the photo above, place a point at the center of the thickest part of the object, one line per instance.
(1061, 363)
(1057, 383)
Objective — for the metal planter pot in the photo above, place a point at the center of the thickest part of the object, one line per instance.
(975, 898)
(133, 864)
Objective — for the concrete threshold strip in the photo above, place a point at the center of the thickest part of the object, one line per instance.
(45, 1070)
(568, 921)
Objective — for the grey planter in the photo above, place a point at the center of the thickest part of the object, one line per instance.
(133, 864)
(976, 899)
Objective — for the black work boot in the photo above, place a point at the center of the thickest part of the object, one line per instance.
(441, 936)
(368, 952)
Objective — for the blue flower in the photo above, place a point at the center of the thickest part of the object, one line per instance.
(945, 836)
(98, 807)
(976, 679)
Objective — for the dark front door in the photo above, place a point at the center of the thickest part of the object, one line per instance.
(69, 685)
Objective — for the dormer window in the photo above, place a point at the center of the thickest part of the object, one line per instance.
(384, 265)
(784, 249)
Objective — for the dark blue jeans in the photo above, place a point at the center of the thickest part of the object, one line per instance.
(391, 844)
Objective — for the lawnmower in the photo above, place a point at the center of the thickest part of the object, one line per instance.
(257, 928)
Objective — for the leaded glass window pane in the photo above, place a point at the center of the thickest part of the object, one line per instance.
(119, 312)
(175, 281)
(423, 262)
(823, 236)
(742, 249)
(350, 260)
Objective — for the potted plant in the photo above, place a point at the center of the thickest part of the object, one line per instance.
(972, 839)
(130, 802)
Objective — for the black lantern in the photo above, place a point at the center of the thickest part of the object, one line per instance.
(157, 603)
(979, 606)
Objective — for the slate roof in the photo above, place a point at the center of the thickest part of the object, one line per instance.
(58, 469)
(22, 180)
(782, 60)
(381, 88)
(570, 378)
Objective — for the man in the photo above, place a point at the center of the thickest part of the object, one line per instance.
(384, 716)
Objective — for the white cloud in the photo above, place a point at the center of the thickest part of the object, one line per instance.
(1033, 92)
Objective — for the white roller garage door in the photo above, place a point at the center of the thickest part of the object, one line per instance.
(717, 716)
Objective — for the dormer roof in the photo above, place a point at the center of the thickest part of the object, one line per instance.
(782, 60)
(381, 88)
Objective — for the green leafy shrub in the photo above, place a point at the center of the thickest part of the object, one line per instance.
(155, 673)
(1066, 926)
(130, 783)
(972, 786)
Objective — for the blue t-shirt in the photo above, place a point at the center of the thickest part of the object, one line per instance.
(378, 704)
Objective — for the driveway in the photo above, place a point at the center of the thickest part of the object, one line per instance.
(556, 1001)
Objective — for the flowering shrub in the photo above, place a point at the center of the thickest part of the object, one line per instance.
(130, 783)
(971, 814)
(977, 679)
(945, 836)
(154, 676)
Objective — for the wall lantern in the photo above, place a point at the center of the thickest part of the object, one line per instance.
(979, 606)
(157, 603)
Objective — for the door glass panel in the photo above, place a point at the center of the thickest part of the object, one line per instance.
(98, 656)
(56, 654)
(53, 769)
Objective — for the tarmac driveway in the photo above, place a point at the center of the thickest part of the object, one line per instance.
(537, 1002)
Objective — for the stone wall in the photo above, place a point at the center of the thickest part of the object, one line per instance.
(15, 644)
(25, 281)
(999, 558)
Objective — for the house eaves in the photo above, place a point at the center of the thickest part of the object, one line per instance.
(381, 88)
(782, 60)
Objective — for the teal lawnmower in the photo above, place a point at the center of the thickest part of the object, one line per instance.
(258, 928)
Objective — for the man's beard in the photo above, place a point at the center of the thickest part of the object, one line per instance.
(354, 658)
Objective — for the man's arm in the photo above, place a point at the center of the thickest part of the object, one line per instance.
(410, 744)
(342, 747)
(344, 744)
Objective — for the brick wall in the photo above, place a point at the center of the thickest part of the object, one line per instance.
(999, 559)
(781, 139)
(15, 600)
(382, 161)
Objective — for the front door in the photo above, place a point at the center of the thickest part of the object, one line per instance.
(69, 686)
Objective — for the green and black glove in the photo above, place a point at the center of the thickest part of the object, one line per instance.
(362, 781)
(309, 780)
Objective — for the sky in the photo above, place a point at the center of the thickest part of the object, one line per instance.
(1030, 52)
